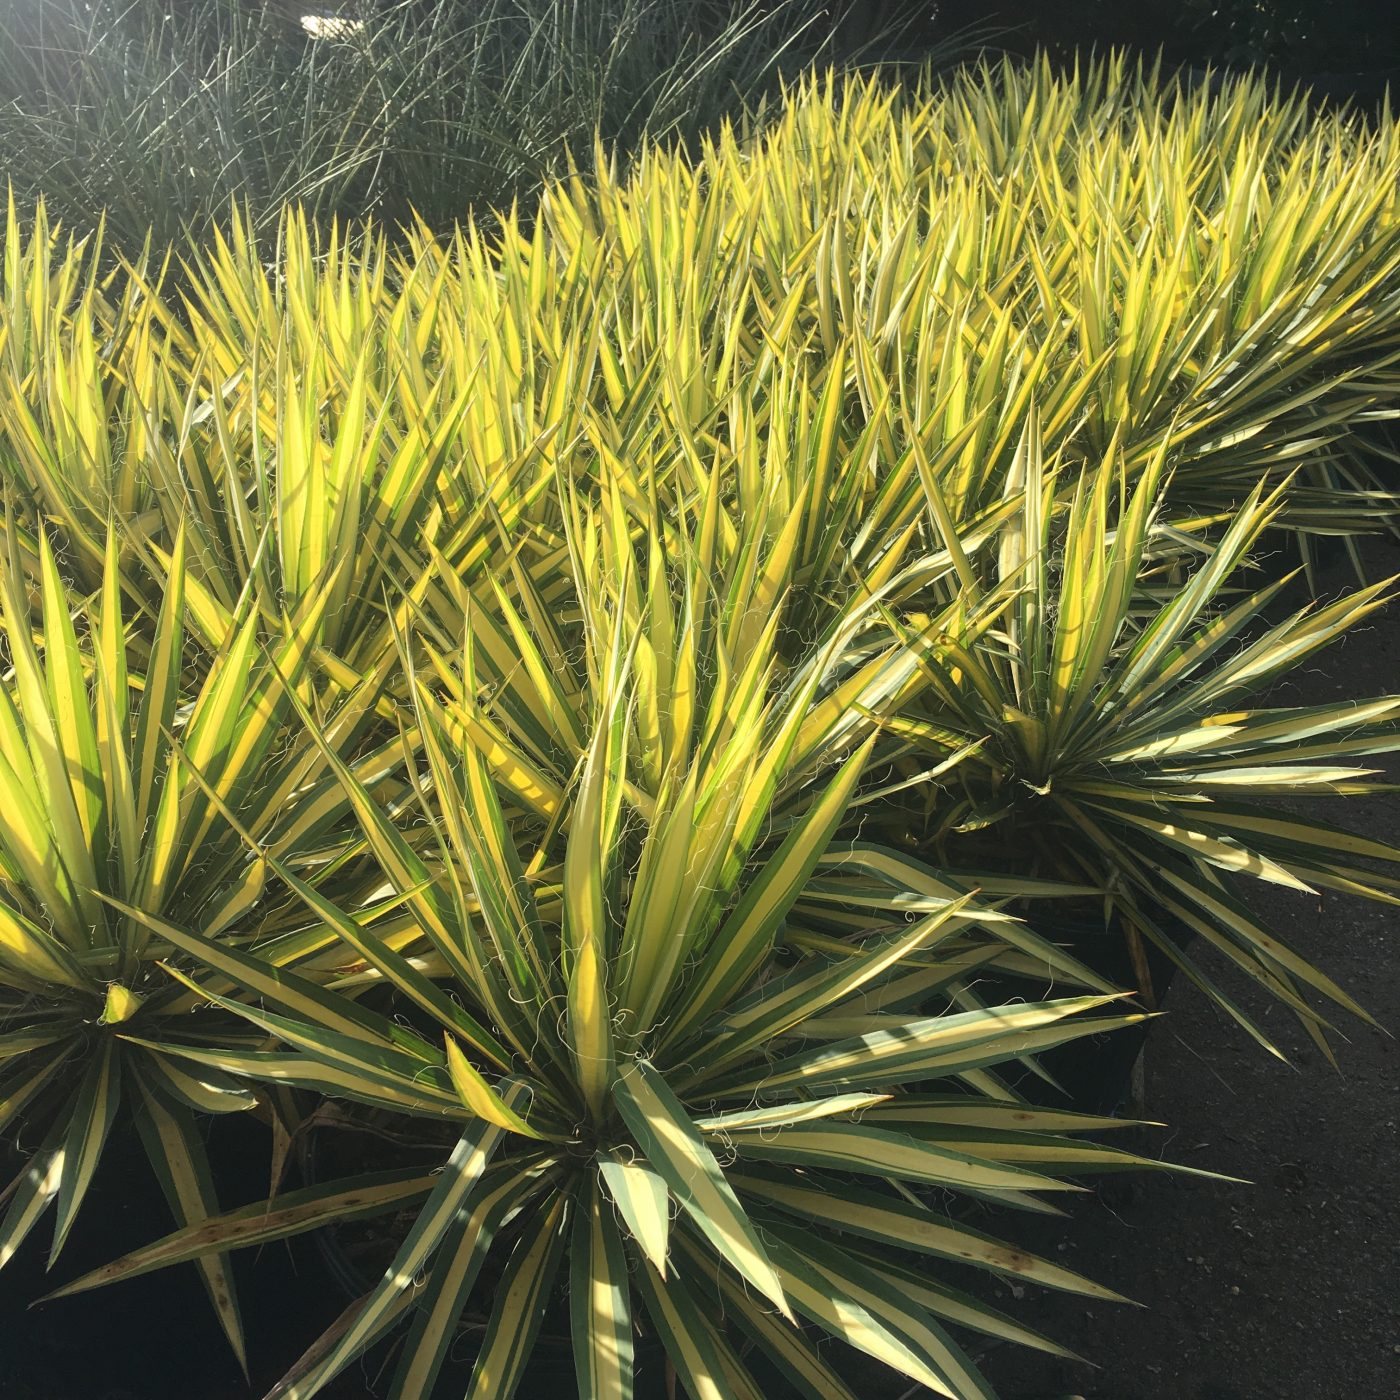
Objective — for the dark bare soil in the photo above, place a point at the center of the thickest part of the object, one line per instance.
(1285, 1288)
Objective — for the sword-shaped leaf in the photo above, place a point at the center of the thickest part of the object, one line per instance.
(674, 1148)
(520, 1304)
(600, 1302)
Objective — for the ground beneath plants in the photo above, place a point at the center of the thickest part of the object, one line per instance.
(1285, 1288)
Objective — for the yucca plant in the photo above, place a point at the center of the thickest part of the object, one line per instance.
(293, 428)
(1124, 737)
(102, 725)
(911, 273)
(661, 1070)
(64, 335)
(1126, 256)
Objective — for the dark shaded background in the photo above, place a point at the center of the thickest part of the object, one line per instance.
(1303, 35)
(1343, 49)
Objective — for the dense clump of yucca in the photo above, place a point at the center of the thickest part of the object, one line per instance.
(622, 641)
(867, 331)
(1121, 257)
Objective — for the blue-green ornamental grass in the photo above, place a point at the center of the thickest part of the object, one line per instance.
(159, 117)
